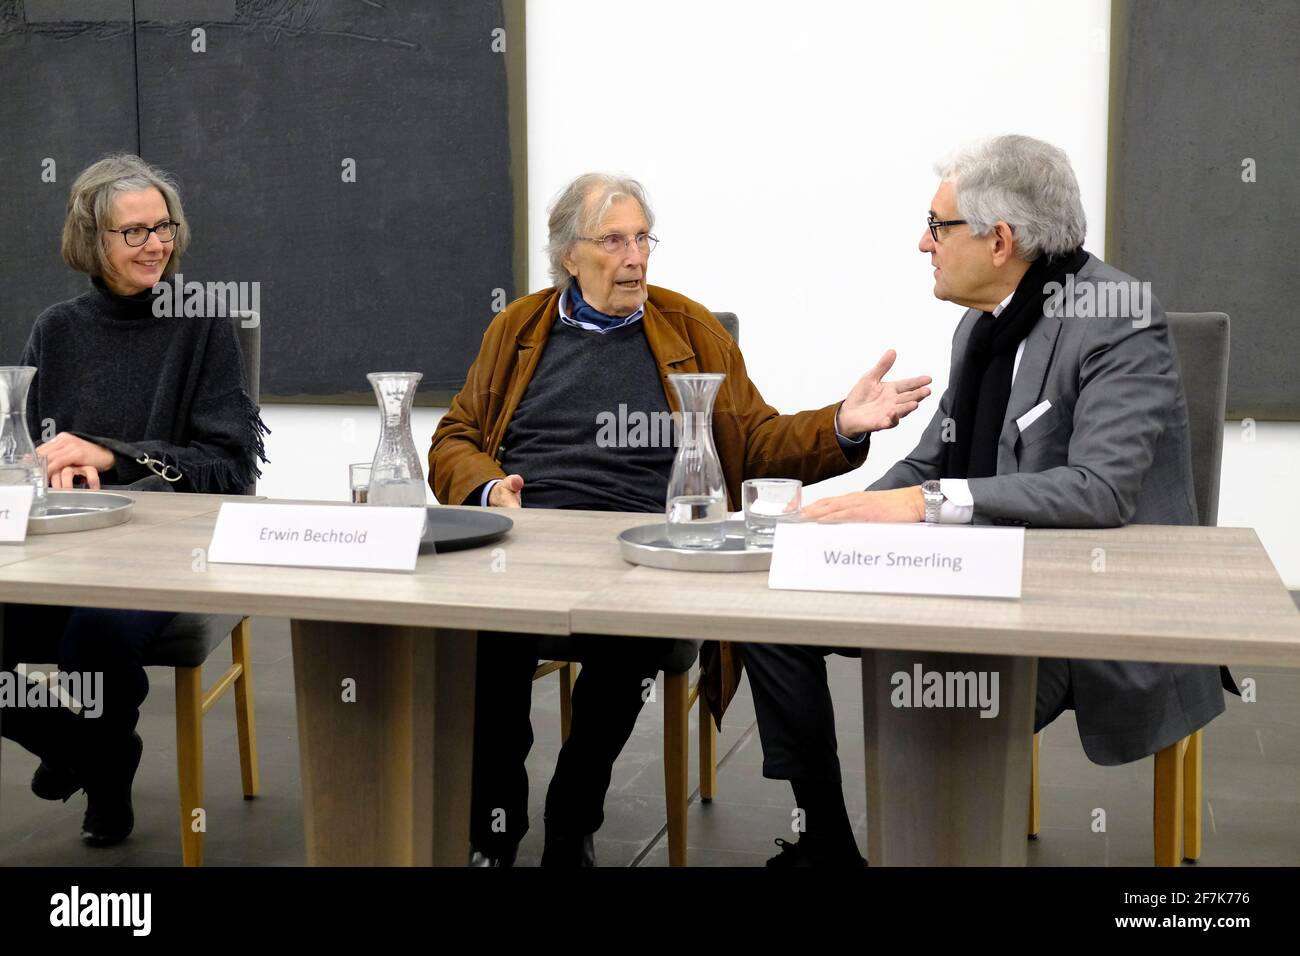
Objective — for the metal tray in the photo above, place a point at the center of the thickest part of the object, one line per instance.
(648, 544)
(80, 511)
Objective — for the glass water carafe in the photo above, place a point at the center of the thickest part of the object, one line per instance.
(396, 478)
(697, 495)
(18, 462)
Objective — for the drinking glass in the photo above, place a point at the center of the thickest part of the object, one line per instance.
(769, 502)
(359, 481)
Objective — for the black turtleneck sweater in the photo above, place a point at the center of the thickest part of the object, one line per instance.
(113, 373)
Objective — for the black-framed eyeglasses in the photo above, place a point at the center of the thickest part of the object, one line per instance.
(613, 243)
(937, 224)
(139, 235)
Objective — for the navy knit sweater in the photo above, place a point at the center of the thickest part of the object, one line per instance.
(592, 430)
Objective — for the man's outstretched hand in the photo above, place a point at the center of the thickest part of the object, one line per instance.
(875, 404)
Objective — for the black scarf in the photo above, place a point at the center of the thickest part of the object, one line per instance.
(985, 385)
(112, 372)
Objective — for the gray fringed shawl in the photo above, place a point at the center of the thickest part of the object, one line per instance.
(171, 389)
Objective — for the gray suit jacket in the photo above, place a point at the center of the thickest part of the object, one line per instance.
(1113, 449)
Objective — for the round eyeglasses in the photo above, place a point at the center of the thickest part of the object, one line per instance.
(615, 243)
(139, 235)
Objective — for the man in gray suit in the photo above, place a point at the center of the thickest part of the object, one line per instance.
(1064, 409)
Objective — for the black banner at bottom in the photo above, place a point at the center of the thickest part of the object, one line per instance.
(334, 905)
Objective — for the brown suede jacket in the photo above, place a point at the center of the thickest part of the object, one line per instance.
(752, 438)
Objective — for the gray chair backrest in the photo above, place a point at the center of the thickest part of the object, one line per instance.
(248, 329)
(1201, 341)
(730, 323)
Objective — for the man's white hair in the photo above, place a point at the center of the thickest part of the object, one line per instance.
(1024, 182)
(572, 215)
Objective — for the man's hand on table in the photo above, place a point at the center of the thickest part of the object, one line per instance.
(505, 493)
(898, 505)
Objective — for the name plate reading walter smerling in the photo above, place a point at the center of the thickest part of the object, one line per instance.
(898, 559)
(363, 538)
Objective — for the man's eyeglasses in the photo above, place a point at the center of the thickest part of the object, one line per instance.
(615, 243)
(139, 235)
(937, 224)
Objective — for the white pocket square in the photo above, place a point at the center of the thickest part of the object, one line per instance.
(1031, 416)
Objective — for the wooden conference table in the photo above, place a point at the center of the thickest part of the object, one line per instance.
(385, 774)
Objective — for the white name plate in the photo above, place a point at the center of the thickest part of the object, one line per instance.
(15, 505)
(898, 559)
(362, 537)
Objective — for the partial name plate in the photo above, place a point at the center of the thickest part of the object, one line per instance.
(353, 537)
(958, 560)
(15, 506)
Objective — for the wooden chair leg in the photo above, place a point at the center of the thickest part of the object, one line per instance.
(1035, 817)
(708, 752)
(1168, 805)
(189, 759)
(676, 757)
(568, 675)
(240, 639)
(1192, 797)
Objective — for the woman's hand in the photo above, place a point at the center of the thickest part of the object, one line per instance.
(67, 477)
(69, 451)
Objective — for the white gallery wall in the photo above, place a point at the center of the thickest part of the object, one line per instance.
(788, 151)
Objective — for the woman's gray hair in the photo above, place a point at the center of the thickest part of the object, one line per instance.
(90, 210)
(1024, 182)
(571, 215)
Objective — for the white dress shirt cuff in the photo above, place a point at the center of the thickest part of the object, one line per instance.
(487, 491)
(958, 506)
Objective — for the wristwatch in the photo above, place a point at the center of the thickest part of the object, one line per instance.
(933, 501)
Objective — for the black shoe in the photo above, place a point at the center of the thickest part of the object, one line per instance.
(54, 783)
(109, 818)
(478, 858)
(567, 850)
(52, 734)
(803, 854)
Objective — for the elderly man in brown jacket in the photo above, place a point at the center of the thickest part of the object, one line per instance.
(523, 432)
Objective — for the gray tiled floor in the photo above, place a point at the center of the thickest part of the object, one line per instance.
(1252, 786)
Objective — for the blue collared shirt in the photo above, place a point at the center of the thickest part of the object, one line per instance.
(588, 327)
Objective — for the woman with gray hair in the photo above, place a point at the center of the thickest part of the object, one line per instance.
(182, 413)
(136, 397)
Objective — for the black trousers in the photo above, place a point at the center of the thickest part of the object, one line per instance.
(796, 719)
(106, 641)
(607, 697)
